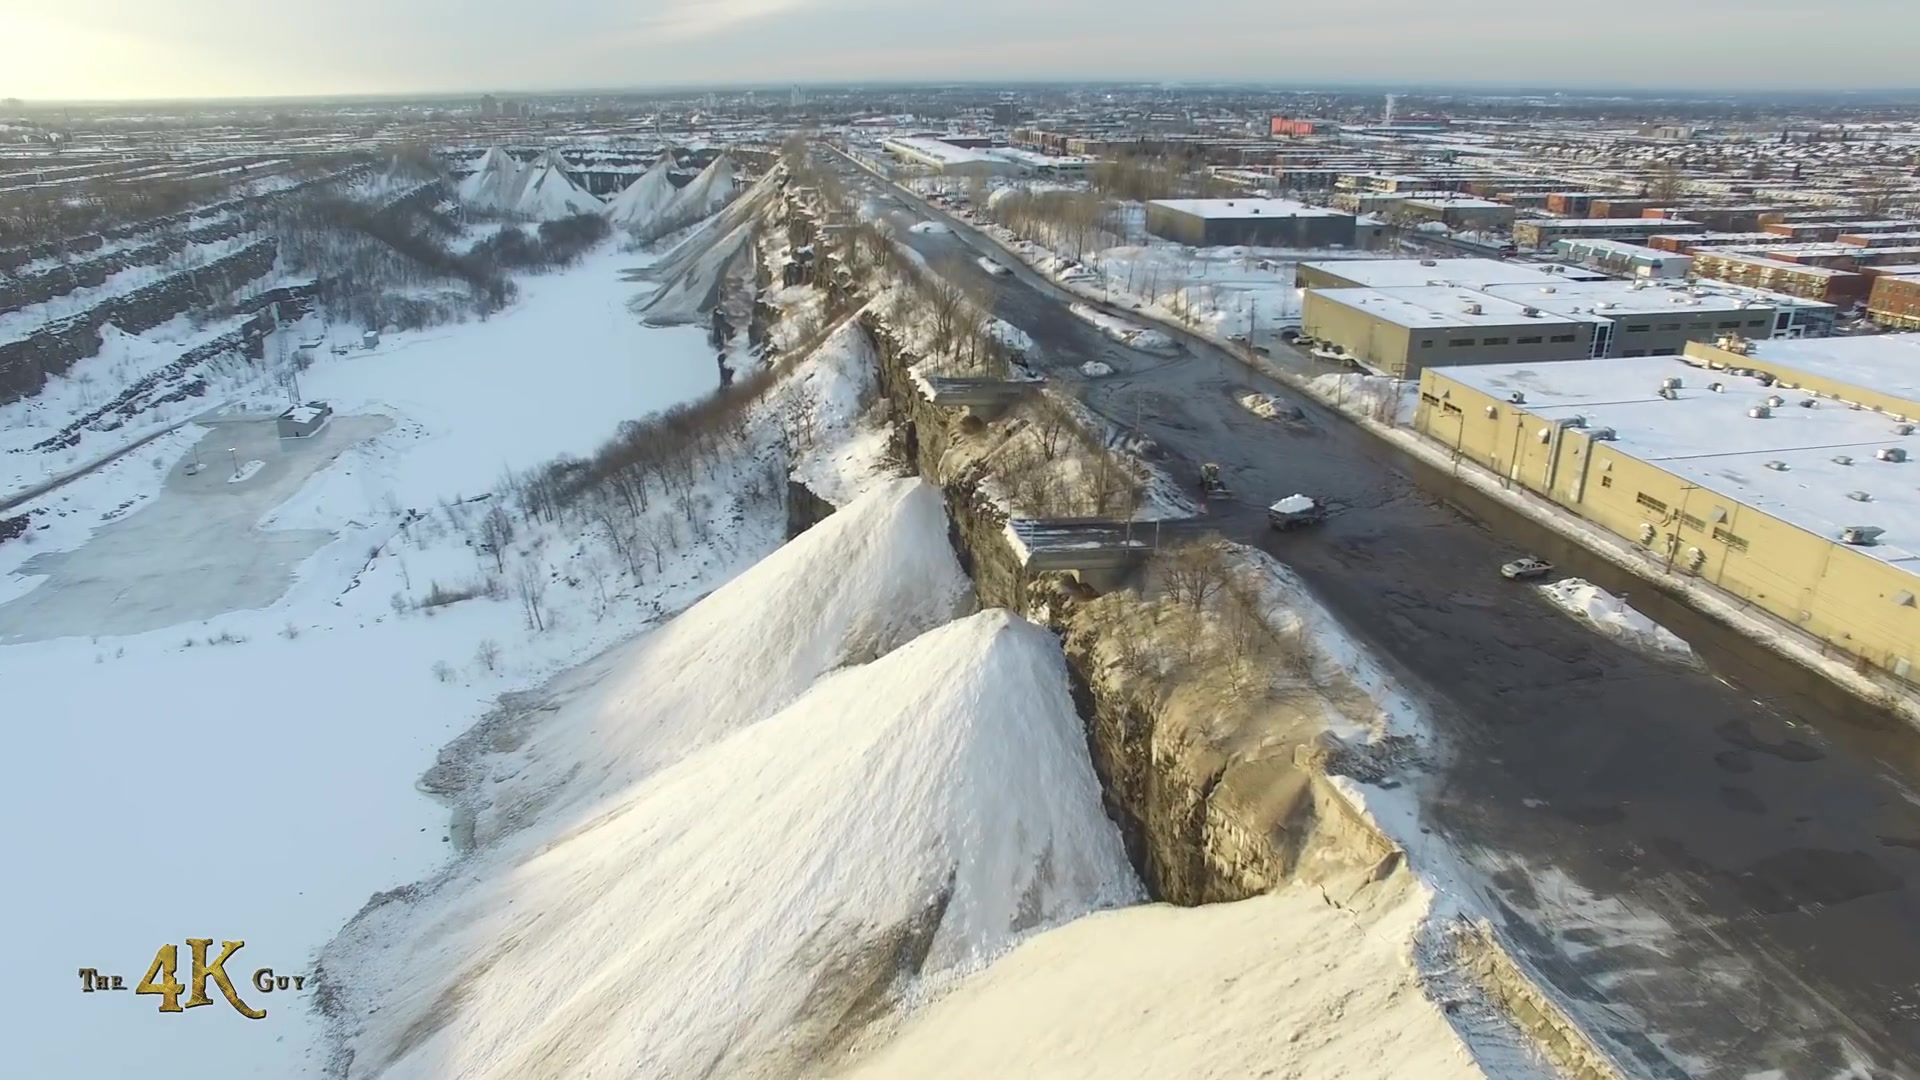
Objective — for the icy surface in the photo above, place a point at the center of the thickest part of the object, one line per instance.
(1611, 615)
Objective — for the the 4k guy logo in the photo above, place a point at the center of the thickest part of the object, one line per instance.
(162, 979)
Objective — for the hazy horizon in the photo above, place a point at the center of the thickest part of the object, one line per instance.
(119, 50)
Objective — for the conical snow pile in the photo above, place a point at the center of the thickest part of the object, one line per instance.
(710, 192)
(496, 184)
(643, 208)
(540, 191)
(922, 812)
(549, 194)
(866, 580)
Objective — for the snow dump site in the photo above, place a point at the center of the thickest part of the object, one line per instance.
(827, 822)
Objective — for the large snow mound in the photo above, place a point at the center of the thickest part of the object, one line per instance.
(1613, 616)
(1285, 984)
(733, 913)
(835, 457)
(549, 194)
(865, 581)
(644, 205)
(709, 193)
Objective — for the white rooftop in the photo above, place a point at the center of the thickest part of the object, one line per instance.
(934, 148)
(1615, 298)
(1463, 201)
(1886, 363)
(1397, 273)
(1436, 306)
(1246, 208)
(1708, 439)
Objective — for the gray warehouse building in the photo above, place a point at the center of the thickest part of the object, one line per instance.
(1249, 223)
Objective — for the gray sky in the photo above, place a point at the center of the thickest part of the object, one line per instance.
(195, 48)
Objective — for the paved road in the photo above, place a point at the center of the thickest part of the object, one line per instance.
(1718, 865)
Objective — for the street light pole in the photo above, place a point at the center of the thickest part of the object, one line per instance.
(234, 452)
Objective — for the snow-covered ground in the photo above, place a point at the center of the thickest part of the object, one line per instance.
(1613, 616)
(295, 732)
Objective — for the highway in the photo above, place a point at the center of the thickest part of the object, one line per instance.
(1718, 865)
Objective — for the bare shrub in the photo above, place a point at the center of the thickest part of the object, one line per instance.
(1193, 572)
(441, 595)
(487, 654)
(442, 671)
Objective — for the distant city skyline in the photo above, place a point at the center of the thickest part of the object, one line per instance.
(127, 50)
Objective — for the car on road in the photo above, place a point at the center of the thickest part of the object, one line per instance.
(992, 267)
(1295, 512)
(1526, 568)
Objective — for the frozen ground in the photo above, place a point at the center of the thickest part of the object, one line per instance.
(193, 552)
(257, 768)
(1612, 616)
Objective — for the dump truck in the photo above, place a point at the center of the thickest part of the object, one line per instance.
(1296, 511)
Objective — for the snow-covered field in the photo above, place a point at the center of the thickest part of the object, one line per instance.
(252, 776)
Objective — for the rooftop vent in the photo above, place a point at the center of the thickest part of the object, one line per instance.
(1777, 466)
(1472, 308)
(1717, 388)
(1859, 496)
(1891, 453)
(1530, 312)
(1669, 392)
(1428, 262)
(1605, 434)
(1760, 412)
(1776, 401)
(1903, 429)
(1861, 535)
(1671, 382)
(1605, 305)
(1806, 403)
(1548, 289)
(1517, 398)
(1842, 459)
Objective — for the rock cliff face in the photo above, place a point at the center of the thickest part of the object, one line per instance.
(1209, 811)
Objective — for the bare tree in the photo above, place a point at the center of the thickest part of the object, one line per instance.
(487, 654)
(593, 563)
(496, 533)
(1192, 573)
(530, 586)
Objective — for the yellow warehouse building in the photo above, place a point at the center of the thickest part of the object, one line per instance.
(1772, 473)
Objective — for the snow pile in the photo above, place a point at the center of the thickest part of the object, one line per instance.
(549, 194)
(1011, 336)
(643, 206)
(1138, 337)
(709, 193)
(859, 584)
(1270, 407)
(1612, 616)
(1286, 984)
(746, 856)
(1378, 397)
(496, 184)
(1096, 369)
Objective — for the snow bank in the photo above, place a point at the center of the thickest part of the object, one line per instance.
(1096, 369)
(1126, 333)
(1286, 984)
(1612, 616)
(730, 910)
(1011, 336)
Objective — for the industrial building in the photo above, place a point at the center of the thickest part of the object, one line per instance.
(946, 158)
(1400, 331)
(1249, 222)
(1788, 499)
(1398, 317)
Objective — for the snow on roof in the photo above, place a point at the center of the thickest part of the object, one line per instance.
(1453, 202)
(1292, 504)
(934, 148)
(1437, 306)
(1232, 209)
(1395, 273)
(1886, 363)
(305, 414)
(1615, 298)
(1707, 438)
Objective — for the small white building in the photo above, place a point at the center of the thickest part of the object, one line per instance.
(304, 421)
